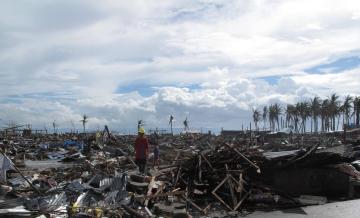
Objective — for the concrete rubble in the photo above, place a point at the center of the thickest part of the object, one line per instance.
(200, 175)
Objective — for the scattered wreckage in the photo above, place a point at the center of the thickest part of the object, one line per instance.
(90, 175)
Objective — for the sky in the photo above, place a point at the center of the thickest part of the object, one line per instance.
(212, 61)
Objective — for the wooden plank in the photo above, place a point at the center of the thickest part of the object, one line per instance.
(231, 187)
(241, 201)
(244, 157)
(165, 194)
(207, 161)
(199, 169)
(133, 212)
(150, 187)
(217, 196)
(178, 176)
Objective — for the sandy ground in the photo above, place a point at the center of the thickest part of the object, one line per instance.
(344, 209)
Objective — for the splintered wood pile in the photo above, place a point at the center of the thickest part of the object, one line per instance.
(215, 176)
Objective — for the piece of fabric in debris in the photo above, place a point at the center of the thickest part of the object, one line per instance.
(5, 165)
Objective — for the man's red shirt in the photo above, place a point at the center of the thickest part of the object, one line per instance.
(141, 147)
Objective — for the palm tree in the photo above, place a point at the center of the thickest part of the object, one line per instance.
(140, 123)
(346, 109)
(315, 105)
(278, 111)
(271, 117)
(84, 121)
(356, 113)
(186, 124)
(54, 126)
(334, 109)
(171, 123)
(265, 115)
(72, 126)
(274, 114)
(256, 118)
(325, 115)
(303, 110)
(290, 115)
(45, 128)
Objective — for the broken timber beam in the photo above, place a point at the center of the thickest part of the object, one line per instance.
(244, 157)
(165, 194)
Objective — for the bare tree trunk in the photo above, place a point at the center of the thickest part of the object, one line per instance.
(357, 113)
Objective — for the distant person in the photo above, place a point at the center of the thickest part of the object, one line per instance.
(141, 150)
(156, 156)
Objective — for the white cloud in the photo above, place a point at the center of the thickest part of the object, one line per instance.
(82, 52)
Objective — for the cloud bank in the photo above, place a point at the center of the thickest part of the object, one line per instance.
(210, 60)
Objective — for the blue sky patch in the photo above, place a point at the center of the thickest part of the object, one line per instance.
(143, 89)
(336, 66)
(193, 86)
(43, 95)
(272, 80)
(147, 90)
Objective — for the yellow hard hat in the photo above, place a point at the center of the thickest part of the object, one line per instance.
(141, 130)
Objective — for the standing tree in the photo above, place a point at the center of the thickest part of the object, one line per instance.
(304, 112)
(140, 123)
(54, 126)
(271, 117)
(274, 114)
(334, 109)
(256, 118)
(84, 121)
(72, 126)
(265, 115)
(290, 116)
(171, 119)
(45, 128)
(325, 115)
(356, 113)
(346, 109)
(277, 111)
(315, 105)
(186, 124)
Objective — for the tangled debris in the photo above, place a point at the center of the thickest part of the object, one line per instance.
(94, 175)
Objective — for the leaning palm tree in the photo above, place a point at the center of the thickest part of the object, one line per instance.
(256, 118)
(84, 121)
(171, 119)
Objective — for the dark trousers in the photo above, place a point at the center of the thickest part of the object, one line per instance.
(141, 164)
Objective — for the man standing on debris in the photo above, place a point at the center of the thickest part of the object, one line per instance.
(141, 150)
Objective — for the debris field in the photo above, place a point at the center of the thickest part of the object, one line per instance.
(200, 175)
